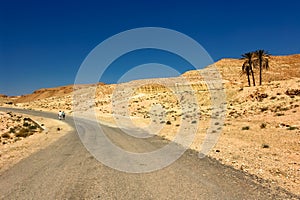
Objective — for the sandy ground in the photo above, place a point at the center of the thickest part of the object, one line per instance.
(12, 153)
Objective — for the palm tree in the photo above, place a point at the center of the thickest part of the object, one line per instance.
(262, 60)
(249, 58)
(246, 70)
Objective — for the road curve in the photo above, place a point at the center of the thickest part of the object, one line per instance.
(66, 170)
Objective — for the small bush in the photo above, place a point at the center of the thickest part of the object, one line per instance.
(284, 109)
(263, 125)
(245, 128)
(24, 132)
(12, 130)
(263, 109)
(292, 128)
(25, 124)
(32, 127)
(5, 135)
(58, 129)
(265, 146)
(168, 123)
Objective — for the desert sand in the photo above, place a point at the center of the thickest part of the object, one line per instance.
(41, 133)
(260, 134)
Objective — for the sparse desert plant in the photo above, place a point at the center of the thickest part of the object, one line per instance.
(32, 127)
(284, 109)
(12, 130)
(279, 114)
(245, 128)
(25, 124)
(292, 128)
(168, 123)
(263, 109)
(263, 125)
(24, 132)
(292, 92)
(5, 135)
(265, 146)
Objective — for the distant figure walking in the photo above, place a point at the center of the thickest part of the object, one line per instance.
(60, 115)
(63, 115)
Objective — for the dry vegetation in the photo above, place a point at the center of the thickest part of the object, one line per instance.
(14, 127)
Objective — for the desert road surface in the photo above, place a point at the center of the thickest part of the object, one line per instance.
(66, 170)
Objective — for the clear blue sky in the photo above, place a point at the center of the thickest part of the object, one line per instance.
(43, 43)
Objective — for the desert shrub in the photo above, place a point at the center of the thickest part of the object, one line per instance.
(12, 130)
(263, 109)
(169, 123)
(245, 128)
(32, 127)
(5, 135)
(284, 109)
(58, 129)
(279, 114)
(265, 146)
(263, 125)
(292, 92)
(24, 132)
(292, 128)
(25, 124)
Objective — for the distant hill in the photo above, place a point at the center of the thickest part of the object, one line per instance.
(281, 68)
(46, 93)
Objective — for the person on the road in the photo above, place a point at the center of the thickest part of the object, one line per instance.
(60, 115)
(63, 115)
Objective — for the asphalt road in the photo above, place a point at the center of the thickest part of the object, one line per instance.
(66, 170)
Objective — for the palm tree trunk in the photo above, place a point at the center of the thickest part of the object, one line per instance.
(260, 71)
(248, 75)
(253, 79)
(252, 73)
